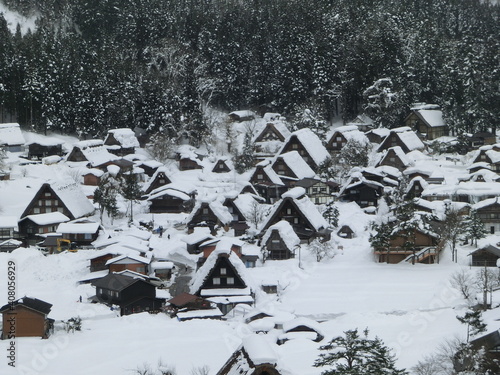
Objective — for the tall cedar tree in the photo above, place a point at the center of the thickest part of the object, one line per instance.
(357, 354)
(131, 191)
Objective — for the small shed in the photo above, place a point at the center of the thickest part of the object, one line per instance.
(486, 256)
(11, 137)
(345, 232)
(29, 316)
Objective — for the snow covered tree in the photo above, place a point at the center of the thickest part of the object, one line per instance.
(357, 354)
(380, 237)
(474, 227)
(105, 196)
(331, 214)
(486, 281)
(309, 118)
(463, 282)
(452, 228)
(382, 103)
(244, 161)
(474, 322)
(131, 191)
(321, 249)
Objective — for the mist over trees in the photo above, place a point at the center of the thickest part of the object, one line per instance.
(91, 65)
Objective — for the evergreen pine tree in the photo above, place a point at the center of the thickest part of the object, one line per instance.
(474, 321)
(131, 191)
(331, 214)
(357, 354)
(474, 227)
(244, 161)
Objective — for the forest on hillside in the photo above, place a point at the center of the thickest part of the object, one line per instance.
(91, 65)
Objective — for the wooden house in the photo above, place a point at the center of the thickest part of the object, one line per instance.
(308, 145)
(81, 232)
(320, 192)
(486, 256)
(29, 316)
(271, 132)
(121, 141)
(150, 167)
(129, 262)
(426, 248)
(254, 357)
(133, 295)
(32, 227)
(365, 193)
(8, 227)
(403, 137)
(92, 177)
(222, 279)
(490, 155)
(196, 239)
(427, 120)
(159, 179)
(396, 158)
(488, 211)
(481, 139)
(239, 210)
(296, 208)
(67, 199)
(342, 135)
(209, 214)
(185, 302)
(11, 137)
(290, 167)
(170, 200)
(46, 147)
(189, 163)
(92, 152)
(267, 182)
(301, 328)
(415, 187)
(222, 165)
(363, 122)
(377, 135)
(489, 345)
(240, 116)
(98, 263)
(280, 241)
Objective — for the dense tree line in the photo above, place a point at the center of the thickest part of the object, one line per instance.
(94, 64)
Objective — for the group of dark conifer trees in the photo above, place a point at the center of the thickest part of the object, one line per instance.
(90, 65)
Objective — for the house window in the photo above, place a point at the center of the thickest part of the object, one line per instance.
(334, 144)
(36, 210)
(205, 211)
(230, 281)
(48, 202)
(40, 230)
(295, 146)
(288, 211)
(88, 236)
(338, 139)
(60, 209)
(275, 241)
(162, 181)
(260, 177)
(216, 281)
(223, 271)
(56, 202)
(40, 202)
(47, 194)
(295, 220)
(140, 269)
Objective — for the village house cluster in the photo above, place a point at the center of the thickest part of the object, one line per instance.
(228, 222)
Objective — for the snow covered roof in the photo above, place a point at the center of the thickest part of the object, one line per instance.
(73, 198)
(34, 138)
(286, 233)
(76, 227)
(411, 140)
(312, 144)
(297, 164)
(95, 152)
(48, 218)
(432, 117)
(259, 350)
(203, 272)
(217, 208)
(485, 203)
(170, 192)
(124, 259)
(8, 222)
(351, 132)
(126, 137)
(201, 313)
(11, 135)
(295, 193)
